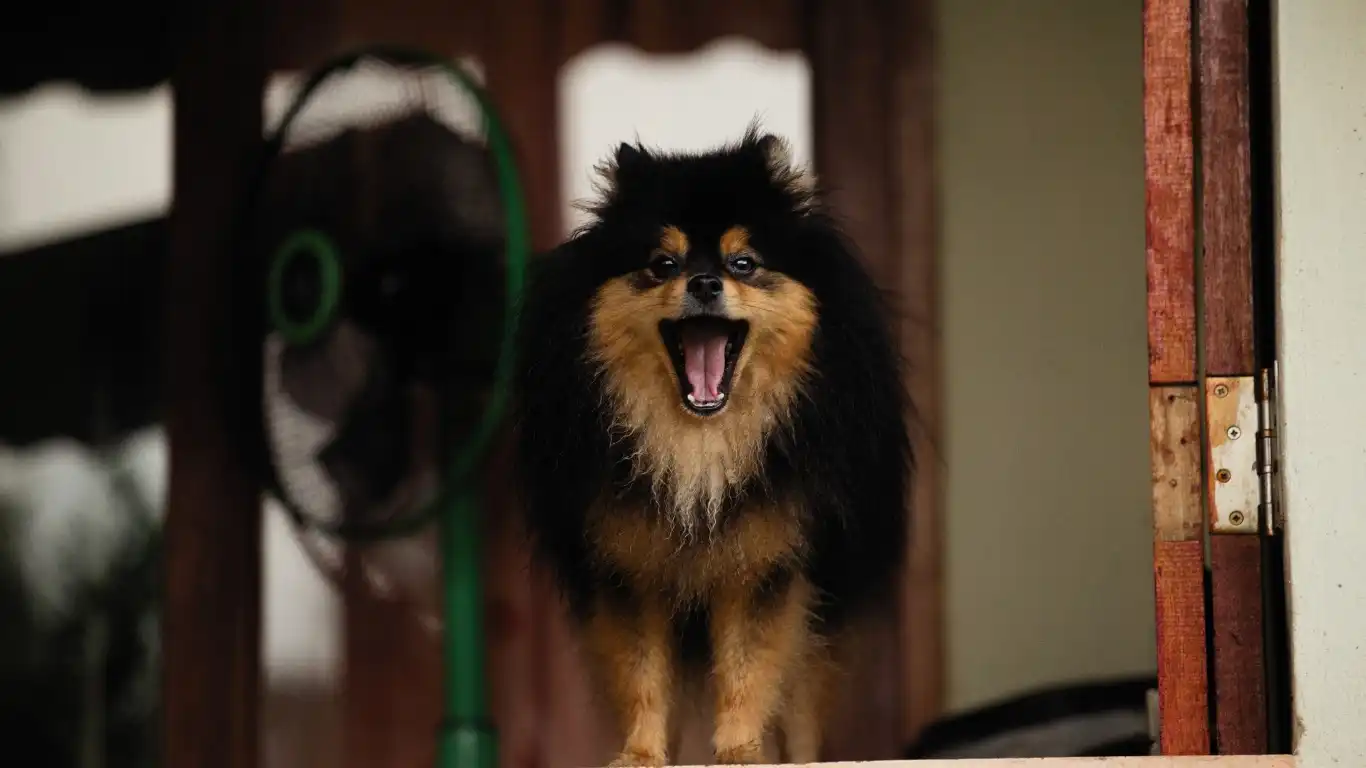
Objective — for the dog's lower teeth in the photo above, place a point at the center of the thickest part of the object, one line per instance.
(720, 398)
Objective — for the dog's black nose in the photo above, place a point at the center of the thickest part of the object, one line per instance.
(704, 288)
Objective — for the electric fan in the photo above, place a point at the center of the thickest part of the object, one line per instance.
(393, 242)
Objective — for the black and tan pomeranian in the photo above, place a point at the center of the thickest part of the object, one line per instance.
(712, 441)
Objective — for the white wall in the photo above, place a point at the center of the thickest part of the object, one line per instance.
(1049, 562)
(1321, 180)
(72, 163)
(614, 93)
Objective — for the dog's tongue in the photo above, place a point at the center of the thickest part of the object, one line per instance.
(704, 358)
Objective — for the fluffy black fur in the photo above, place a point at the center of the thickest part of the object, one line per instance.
(845, 450)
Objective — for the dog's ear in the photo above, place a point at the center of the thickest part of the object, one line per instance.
(783, 171)
(777, 152)
(629, 160)
(620, 169)
(629, 156)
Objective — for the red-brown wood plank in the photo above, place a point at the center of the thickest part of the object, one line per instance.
(852, 123)
(1239, 694)
(212, 612)
(1179, 572)
(513, 628)
(1170, 200)
(915, 211)
(300, 726)
(1178, 560)
(1179, 569)
(1236, 628)
(552, 719)
(1226, 204)
(861, 55)
(391, 683)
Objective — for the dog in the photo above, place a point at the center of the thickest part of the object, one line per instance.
(712, 444)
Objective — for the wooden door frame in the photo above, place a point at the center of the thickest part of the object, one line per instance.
(211, 615)
(1174, 396)
(873, 106)
(1208, 300)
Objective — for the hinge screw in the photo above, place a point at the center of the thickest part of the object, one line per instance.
(1235, 517)
(1223, 475)
(1234, 432)
(1221, 390)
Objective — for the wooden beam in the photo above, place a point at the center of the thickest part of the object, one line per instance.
(1226, 189)
(1236, 628)
(1169, 166)
(1239, 691)
(871, 108)
(1174, 402)
(1179, 569)
(548, 715)
(391, 675)
(851, 63)
(211, 619)
(915, 212)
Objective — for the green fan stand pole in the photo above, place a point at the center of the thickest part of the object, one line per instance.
(467, 738)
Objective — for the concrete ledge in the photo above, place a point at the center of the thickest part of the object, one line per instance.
(1202, 761)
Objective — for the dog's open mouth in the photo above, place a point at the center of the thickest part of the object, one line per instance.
(704, 351)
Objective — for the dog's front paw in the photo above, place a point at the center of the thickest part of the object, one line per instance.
(741, 754)
(637, 758)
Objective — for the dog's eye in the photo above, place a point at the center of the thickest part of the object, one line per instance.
(743, 265)
(664, 266)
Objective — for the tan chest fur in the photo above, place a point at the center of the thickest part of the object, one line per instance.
(654, 555)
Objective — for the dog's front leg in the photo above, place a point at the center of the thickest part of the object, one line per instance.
(635, 664)
(759, 633)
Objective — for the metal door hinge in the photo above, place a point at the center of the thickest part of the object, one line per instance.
(1240, 421)
(1269, 509)
(1231, 430)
